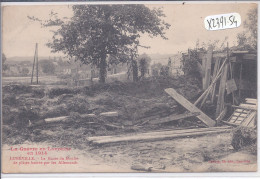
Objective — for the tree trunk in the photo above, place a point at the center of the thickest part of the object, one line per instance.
(135, 71)
(103, 70)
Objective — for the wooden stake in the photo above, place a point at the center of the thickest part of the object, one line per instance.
(240, 81)
(33, 63)
(37, 68)
(208, 68)
(222, 89)
(216, 68)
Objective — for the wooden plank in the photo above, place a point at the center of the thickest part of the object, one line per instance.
(155, 133)
(173, 118)
(245, 107)
(219, 55)
(249, 57)
(204, 63)
(251, 101)
(222, 89)
(222, 114)
(208, 67)
(240, 52)
(229, 123)
(109, 114)
(190, 107)
(249, 119)
(233, 59)
(201, 70)
(216, 68)
(160, 136)
(56, 119)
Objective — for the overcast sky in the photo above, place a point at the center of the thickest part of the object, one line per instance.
(187, 26)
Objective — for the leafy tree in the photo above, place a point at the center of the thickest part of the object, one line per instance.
(248, 38)
(144, 63)
(25, 71)
(5, 66)
(96, 31)
(164, 71)
(47, 66)
(156, 69)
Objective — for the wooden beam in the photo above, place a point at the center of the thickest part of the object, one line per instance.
(249, 57)
(190, 107)
(157, 136)
(248, 120)
(219, 55)
(204, 62)
(239, 52)
(251, 101)
(222, 114)
(222, 89)
(56, 119)
(229, 123)
(216, 68)
(154, 133)
(208, 67)
(174, 118)
(245, 107)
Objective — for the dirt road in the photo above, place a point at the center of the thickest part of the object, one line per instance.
(210, 153)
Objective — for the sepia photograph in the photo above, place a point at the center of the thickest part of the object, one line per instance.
(129, 87)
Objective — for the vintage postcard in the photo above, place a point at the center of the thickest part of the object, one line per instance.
(129, 87)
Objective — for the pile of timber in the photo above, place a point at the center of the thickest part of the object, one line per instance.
(244, 115)
(157, 135)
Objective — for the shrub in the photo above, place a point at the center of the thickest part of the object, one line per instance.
(59, 91)
(243, 136)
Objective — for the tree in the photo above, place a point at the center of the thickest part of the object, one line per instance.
(248, 38)
(144, 63)
(47, 66)
(25, 71)
(95, 31)
(156, 69)
(5, 66)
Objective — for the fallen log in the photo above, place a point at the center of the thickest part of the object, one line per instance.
(190, 107)
(174, 118)
(152, 136)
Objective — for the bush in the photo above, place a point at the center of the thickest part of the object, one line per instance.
(243, 136)
(17, 89)
(9, 99)
(60, 91)
(190, 65)
(38, 93)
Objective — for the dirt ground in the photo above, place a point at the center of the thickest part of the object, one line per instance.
(198, 154)
(26, 107)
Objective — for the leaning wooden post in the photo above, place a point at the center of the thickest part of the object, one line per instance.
(208, 68)
(190, 107)
(214, 81)
(222, 89)
(33, 63)
(216, 67)
(37, 64)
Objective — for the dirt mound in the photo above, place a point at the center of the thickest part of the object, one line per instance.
(135, 103)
